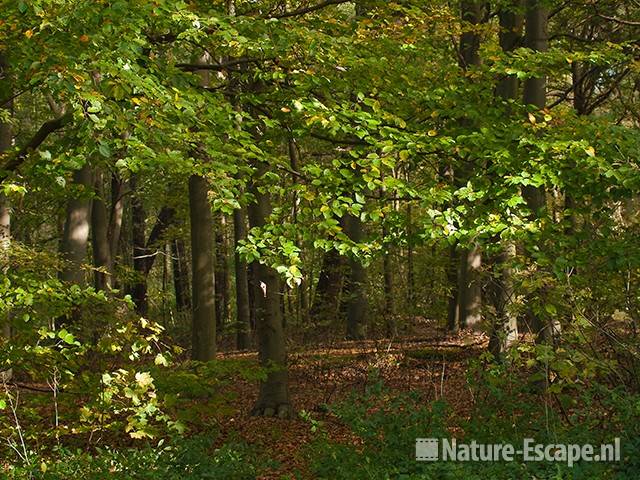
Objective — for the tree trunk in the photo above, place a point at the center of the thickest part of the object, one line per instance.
(243, 325)
(180, 276)
(100, 237)
(504, 330)
(411, 292)
(203, 264)
(471, 307)
(535, 93)
(139, 237)
(325, 308)
(356, 295)
(76, 229)
(273, 399)
(6, 139)
(453, 310)
(115, 217)
(221, 274)
(387, 274)
(471, 12)
(469, 291)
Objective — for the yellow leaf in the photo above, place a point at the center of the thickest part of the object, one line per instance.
(432, 133)
(590, 151)
(532, 118)
(285, 109)
(144, 379)
(28, 33)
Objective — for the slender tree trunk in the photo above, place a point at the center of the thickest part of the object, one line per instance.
(356, 295)
(453, 310)
(115, 217)
(75, 236)
(273, 399)
(221, 274)
(389, 307)
(243, 325)
(411, 290)
(180, 275)
(139, 237)
(100, 236)
(6, 139)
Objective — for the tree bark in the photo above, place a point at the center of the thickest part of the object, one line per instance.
(203, 278)
(325, 308)
(75, 236)
(389, 307)
(139, 238)
(356, 295)
(180, 275)
(504, 330)
(467, 312)
(243, 326)
(102, 259)
(535, 93)
(6, 139)
(273, 399)
(221, 274)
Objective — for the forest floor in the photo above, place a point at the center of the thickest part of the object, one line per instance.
(428, 362)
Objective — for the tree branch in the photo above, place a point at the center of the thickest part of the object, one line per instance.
(40, 136)
(309, 9)
(619, 20)
(194, 67)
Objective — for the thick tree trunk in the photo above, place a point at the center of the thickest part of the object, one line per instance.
(180, 276)
(511, 23)
(467, 313)
(471, 288)
(203, 264)
(535, 93)
(273, 399)
(325, 308)
(505, 327)
(75, 236)
(356, 285)
(100, 237)
(504, 330)
(243, 325)
(471, 12)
